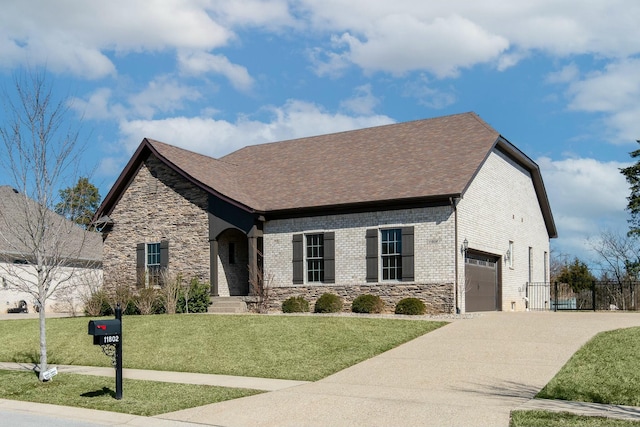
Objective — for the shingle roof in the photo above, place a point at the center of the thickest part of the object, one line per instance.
(431, 159)
(424, 158)
(71, 243)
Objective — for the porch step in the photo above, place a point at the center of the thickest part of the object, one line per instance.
(227, 305)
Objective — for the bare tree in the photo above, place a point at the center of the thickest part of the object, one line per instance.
(557, 262)
(41, 153)
(620, 266)
(617, 255)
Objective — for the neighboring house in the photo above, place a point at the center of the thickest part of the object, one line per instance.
(445, 210)
(74, 253)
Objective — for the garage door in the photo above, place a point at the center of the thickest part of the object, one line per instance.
(482, 291)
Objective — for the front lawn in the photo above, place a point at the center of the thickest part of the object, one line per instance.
(288, 347)
(146, 398)
(604, 370)
(564, 419)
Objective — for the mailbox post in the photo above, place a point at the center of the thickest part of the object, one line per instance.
(108, 333)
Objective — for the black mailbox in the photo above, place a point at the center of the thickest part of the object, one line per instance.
(105, 327)
(108, 335)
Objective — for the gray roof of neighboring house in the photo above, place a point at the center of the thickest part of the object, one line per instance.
(65, 240)
(423, 160)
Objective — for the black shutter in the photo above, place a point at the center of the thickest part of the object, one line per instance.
(407, 254)
(164, 254)
(372, 255)
(329, 258)
(298, 261)
(140, 264)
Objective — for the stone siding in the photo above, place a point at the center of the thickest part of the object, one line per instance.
(158, 204)
(438, 298)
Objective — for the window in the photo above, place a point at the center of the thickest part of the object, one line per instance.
(315, 254)
(530, 264)
(510, 255)
(153, 264)
(315, 258)
(152, 259)
(391, 254)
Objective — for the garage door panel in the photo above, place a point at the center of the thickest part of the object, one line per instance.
(481, 287)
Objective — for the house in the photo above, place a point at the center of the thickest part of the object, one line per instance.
(444, 209)
(72, 255)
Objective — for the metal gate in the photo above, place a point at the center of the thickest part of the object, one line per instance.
(607, 295)
(538, 296)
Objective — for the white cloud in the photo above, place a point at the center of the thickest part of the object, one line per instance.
(272, 14)
(395, 37)
(74, 36)
(587, 196)
(161, 95)
(363, 102)
(426, 95)
(443, 37)
(219, 137)
(566, 74)
(97, 106)
(197, 63)
(399, 43)
(614, 91)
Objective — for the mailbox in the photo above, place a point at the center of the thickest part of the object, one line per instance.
(105, 331)
(105, 327)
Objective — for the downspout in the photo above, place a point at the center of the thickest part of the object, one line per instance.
(454, 205)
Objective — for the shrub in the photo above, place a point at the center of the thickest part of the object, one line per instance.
(97, 304)
(170, 290)
(195, 298)
(367, 304)
(295, 305)
(146, 300)
(328, 303)
(410, 306)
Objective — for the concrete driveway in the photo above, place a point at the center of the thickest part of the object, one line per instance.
(472, 372)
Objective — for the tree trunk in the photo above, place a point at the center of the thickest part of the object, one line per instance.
(43, 342)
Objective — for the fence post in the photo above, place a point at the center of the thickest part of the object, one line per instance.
(593, 295)
(555, 291)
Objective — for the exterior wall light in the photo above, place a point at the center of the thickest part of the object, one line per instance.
(465, 246)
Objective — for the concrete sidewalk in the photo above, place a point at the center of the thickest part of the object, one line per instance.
(469, 373)
(264, 384)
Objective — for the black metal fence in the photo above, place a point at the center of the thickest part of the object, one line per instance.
(607, 295)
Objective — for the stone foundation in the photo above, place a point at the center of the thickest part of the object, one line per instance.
(438, 297)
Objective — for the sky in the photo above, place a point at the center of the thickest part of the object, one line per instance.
(560, 79)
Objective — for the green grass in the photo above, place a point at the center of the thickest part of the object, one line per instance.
(564, 419)
(287, 347)
(605, 370)
(145, 398)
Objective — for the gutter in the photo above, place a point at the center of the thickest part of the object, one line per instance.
(454, 205)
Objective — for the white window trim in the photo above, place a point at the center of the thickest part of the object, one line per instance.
(381, 255)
